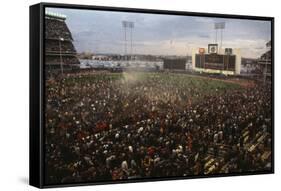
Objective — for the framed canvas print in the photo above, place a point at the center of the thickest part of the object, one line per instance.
(123, 95)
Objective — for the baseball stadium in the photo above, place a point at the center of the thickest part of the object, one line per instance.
(129, 115)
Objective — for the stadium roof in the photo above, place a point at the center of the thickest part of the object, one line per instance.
(55, 15)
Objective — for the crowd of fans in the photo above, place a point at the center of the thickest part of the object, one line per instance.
(59, 48)
(106, 127)
(56, 29)
(56, 59)
(64, 47)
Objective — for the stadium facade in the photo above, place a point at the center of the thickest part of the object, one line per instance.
(265, 62)
(60, 53)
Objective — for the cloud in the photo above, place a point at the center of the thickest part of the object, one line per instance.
(102, 32)
(203, 36)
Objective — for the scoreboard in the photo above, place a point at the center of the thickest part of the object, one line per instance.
(215, 61)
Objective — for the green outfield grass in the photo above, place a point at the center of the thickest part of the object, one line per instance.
(172, 79)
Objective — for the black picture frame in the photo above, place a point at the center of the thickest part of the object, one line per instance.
(37, 94)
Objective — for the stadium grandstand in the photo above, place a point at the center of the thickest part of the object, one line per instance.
(60, 53)
(265, 62)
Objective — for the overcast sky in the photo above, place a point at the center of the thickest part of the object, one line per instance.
(102, 32)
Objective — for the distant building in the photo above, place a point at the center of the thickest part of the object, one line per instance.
(60, 53)
(101, 57)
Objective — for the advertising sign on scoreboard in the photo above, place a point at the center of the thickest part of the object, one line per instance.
(201, 50)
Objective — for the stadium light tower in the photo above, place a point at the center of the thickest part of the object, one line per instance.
(61, 66)
(124, 25)
(219, 26)
(130, 25)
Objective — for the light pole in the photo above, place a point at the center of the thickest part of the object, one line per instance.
(61, 66)
(124, 24)
(130, 25)
(219, 26)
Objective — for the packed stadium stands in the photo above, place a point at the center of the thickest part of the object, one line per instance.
(53, 46)
(265, 62)
(56, 28)
(59, 50)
